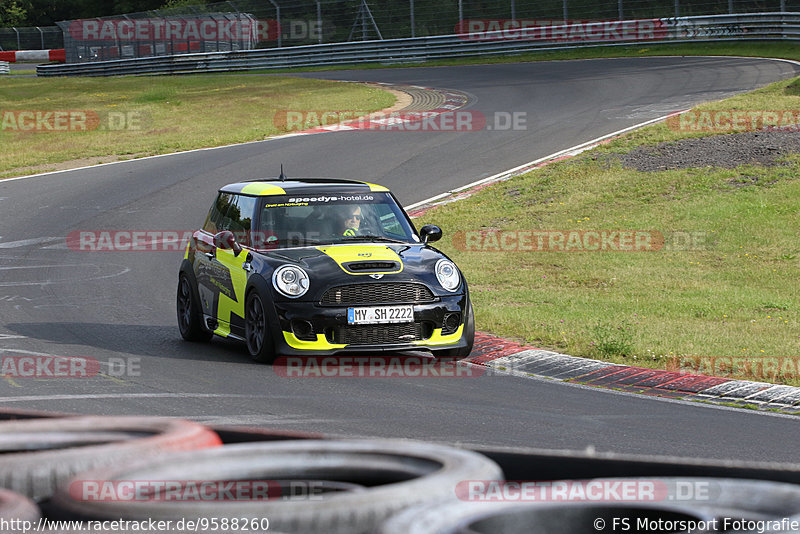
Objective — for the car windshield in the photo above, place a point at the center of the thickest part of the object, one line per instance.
(330, 218)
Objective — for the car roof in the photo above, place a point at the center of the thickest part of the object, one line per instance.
(300, 186)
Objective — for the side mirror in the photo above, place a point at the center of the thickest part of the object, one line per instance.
(227, 241)
(430, 233)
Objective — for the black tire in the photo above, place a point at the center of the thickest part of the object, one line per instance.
(260, 344)
(396, 473)
(16, 506)
(469, 334)
(739, 498)
(525, 517)
(709, 498)
(61, 447)
(190, 317)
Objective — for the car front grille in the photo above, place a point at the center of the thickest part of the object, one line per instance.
(380, 334)
(378, 293)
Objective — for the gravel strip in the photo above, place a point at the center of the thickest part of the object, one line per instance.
(730, 150)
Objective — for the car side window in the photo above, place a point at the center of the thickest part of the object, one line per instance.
(234, 213)
(239, 218)
(390, 225)
(214, 221)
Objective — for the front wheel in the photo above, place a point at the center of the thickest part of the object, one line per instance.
(259, 342)
(469, 335)
(190, 318)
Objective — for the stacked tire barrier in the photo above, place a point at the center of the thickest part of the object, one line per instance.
(119, 471)
(40, 454)
(734, 503)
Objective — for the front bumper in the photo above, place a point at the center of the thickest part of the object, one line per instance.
(329, 327)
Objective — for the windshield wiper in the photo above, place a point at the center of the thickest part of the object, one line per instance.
(303, 241)
(293, 242)
(375, 238)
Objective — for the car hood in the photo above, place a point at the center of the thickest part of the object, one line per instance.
(342, 264)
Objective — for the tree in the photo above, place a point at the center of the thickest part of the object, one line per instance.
(13, 13)
(180, 3)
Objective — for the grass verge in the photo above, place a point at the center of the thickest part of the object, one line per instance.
(726, 304)
(141, 116)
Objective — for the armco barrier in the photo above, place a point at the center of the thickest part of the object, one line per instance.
(4, 67)
(758, 26)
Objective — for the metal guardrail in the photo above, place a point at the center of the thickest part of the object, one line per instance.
(4, 68)
(759, 26)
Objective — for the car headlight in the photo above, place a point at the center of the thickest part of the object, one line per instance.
(290, 280)
(447, 274)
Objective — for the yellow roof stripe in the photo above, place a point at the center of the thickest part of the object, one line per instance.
(261, 188)
(376, 187)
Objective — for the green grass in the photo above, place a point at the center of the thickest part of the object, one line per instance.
(174, 113)
(733, 295)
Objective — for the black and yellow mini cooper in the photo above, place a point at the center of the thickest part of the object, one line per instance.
(318, 267)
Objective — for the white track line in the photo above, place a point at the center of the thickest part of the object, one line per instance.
(24, 398)
(577, 149)
(295, 134)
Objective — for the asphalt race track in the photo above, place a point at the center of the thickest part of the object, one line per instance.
(119, 306)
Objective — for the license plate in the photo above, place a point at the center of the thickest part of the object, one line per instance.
(380, 314)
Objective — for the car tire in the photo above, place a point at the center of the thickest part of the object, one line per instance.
(59, 448)
(469, 334)
(190, 318)
(256, 329)
(519, 517)
(396, 473)
(16, 506)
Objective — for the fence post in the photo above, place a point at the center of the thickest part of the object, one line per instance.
(17, 32)
(619, 8)
(319, 22)
(241, 40)
(411, 7)
(677, 8)
(730, 7)
(513, 10)
(278, 21)
(460, 11)
(565, 11)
